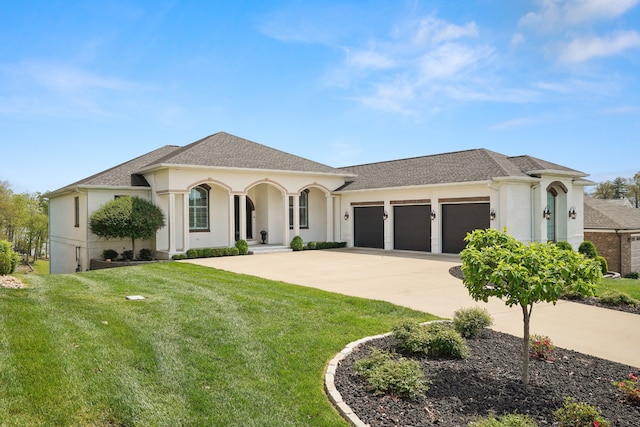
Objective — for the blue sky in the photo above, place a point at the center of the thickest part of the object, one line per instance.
(87, 85)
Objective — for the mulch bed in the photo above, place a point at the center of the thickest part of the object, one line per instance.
(489, 382)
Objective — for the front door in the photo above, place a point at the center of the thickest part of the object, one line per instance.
(250, 208)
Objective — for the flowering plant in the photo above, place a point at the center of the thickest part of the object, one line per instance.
(630, 387)
(540, 346)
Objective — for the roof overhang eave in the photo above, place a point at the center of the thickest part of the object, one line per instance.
(84, 188)
(161, 166)
(557, 172)
(412, 187)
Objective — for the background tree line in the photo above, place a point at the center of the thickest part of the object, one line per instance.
(619, 188)
(24, 221)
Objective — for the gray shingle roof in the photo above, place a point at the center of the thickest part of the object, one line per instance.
(610, 215)
(229, 151)
(460, 166)
(123, 175)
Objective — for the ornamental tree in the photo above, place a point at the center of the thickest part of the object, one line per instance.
(127, 217)
(495, 264)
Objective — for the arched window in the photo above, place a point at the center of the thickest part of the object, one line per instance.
(199, 208)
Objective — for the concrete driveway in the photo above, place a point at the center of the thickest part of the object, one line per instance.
(423, 282)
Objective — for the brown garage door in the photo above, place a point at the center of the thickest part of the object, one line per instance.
(412, 227)
(458, 220)
(368, 227)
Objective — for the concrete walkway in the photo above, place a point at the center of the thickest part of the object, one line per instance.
(423, 282)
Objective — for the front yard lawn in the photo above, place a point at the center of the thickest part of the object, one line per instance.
(206, 347)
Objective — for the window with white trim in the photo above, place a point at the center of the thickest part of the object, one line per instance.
(303, 209)
(199, 208)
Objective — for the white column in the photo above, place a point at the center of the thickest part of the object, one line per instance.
(243, 217)
(285, 233)
(171, 221)
(296, 215)
(329, 218)
(231, 224)
(185, 222)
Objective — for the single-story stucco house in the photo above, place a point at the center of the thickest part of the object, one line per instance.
(223, 188)
(614, 228)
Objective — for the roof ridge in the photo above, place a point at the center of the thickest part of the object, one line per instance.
(412, 158)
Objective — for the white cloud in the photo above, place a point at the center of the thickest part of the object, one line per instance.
(368, 59)
(433, 30)
(557, 15)
(585, 48)
(517, 39)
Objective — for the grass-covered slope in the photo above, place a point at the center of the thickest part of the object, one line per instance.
(205, 347)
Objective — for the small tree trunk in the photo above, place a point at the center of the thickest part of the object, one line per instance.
(526, 316)
(133, 248)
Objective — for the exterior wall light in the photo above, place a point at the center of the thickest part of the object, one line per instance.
(546, 213)
(346, 215)
(433, 215)
(385, 215)
(572, 212)
(492, 214)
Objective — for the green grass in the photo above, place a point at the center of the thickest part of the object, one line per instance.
(206, 347)
(630, 287)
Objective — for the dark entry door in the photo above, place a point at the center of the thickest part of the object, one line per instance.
(458, 220)
(412, 228)
(368, 227)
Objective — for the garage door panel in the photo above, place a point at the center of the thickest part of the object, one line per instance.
(368, 227)
(460, 219)
(412, 228)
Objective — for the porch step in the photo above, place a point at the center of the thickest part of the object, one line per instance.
(267, 249)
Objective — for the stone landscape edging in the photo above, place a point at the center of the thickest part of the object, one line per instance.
(330, 374)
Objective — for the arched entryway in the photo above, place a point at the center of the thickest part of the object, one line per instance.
(250, 210)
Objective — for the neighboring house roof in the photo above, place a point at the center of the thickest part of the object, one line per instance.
(223, 150)
(460, 166)
(610, 215)
(123, 175)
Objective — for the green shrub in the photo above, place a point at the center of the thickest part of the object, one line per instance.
(470, 322)
(233, 251)
(312, 245)
(385, 375)
(8, 258)
(617, 298)
(604, 266)
(177, 257)
(145, 255)
(192, 253)
(506, 420)
(411, 336)
(296, 243)
(564, 245)
(632, 275)
(445, 341)
(588, 249)
(127, 255)
(243, 247)
(109, 254)
(578, 414)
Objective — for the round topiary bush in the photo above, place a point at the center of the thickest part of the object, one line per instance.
(588, 249)
(564, 245)
(604, 266)
(296, 243)
(243, 247)
(109, 254)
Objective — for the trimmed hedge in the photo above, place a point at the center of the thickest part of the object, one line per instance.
(324, 245)
(207, 253)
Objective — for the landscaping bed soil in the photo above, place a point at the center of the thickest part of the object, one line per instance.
(489, 382)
